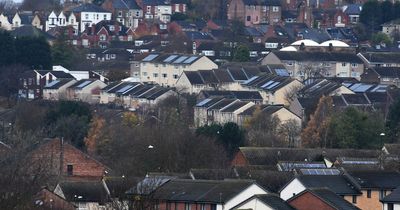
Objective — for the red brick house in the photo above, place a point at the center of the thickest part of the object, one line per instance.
(68, 161)
(104, 32)
(252, 12)
(321, 199)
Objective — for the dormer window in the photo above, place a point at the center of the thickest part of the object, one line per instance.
(112, 28)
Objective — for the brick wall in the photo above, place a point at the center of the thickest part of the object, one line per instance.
(181, 206)
(82, 164)
(239, 160)
(309, 201)
(365, 203)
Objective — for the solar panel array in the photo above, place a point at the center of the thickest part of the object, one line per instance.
(203, 102)
(282, 72)
(190, 60)
(124, 89)
(51, 84)
(150, 57)
(360, 87)
(170, 58)
(83, 84)
(320, 171)
(250, 80)
(288, 166)
(180, 59)
(360, 162)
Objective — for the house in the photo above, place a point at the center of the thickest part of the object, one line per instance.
(165, 69)
(380, 59)
(392, 201)
(5, 23)
(391, 27)
(90, 14)
(205, 194)
(353, 11)
(26, 18)
(341, 185)
(79, 75)
(269, 156)
(196, 81)
(105, 31)
(31, 83)
(252, 12)
(161, 9)
(279, 111)
(87, 90)
(134, 95)
(84, 194)
(221, 111)
(128, 13)
(67, 161)
(57, 89)
(252, 96)
(303, 65)
(382, 75)
(273, 88)
(54, 20)
(48, 199)
(374, 185)
(264, 202)
(320, 198)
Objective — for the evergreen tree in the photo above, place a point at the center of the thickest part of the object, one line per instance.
(33, 52)
(393, 122)
(7, 52)
(241, 54)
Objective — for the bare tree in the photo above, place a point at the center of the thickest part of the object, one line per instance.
(290, 130)
(309, 70)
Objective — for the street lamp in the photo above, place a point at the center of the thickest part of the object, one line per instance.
(382, 137)
(150, 147)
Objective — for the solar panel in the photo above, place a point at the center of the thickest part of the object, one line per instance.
(346, 84)
(320, 171)
(272, 85)
(362, 88)
(180, 59)
(203, 102)
(170, 58)
(51, 84)
(266, 84)
(354, 86)
(190, 60)
(250, 80)
(282, 72)
(150, 57)
(124, 89)
(359, 162)
(83, 84)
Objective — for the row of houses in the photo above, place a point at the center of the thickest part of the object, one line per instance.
(260, 178)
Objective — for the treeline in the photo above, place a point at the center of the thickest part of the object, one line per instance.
(352, 127)
(33, 52)
(375, 13)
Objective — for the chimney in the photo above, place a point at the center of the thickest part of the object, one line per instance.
(93, 29)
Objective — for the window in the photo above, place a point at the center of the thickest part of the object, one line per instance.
(290, 63)
(390, 206)
(97, 16)
(213, 207)
(86, 16)
(203, 207)
(354, 65)
(354, 199)
(343, 64)
(368, 193)
(385, 79)
(175, 76)
(112, 28)
(105, 17)
(102, 37)
(113, 56)
(164, 75)
(275, 9)
(120, 14)
(144, 73)
(70, 170)
(155, 75)
(187, 206)
(248, 18)
(264, 8)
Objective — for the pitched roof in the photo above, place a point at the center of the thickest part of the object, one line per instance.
(207, 191)
(57, 83)
(82, 84)
(339, 184)
(331, 198)
(318, 56)
(268, 82)
(84, 191)
(384, 180)
(391, 72)
(271, 200)
(89, 8)
(262, 2)
(271, 155)
(241, 95)
(122, 4)
(382, 57)
(30, 31)
(393, 197)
